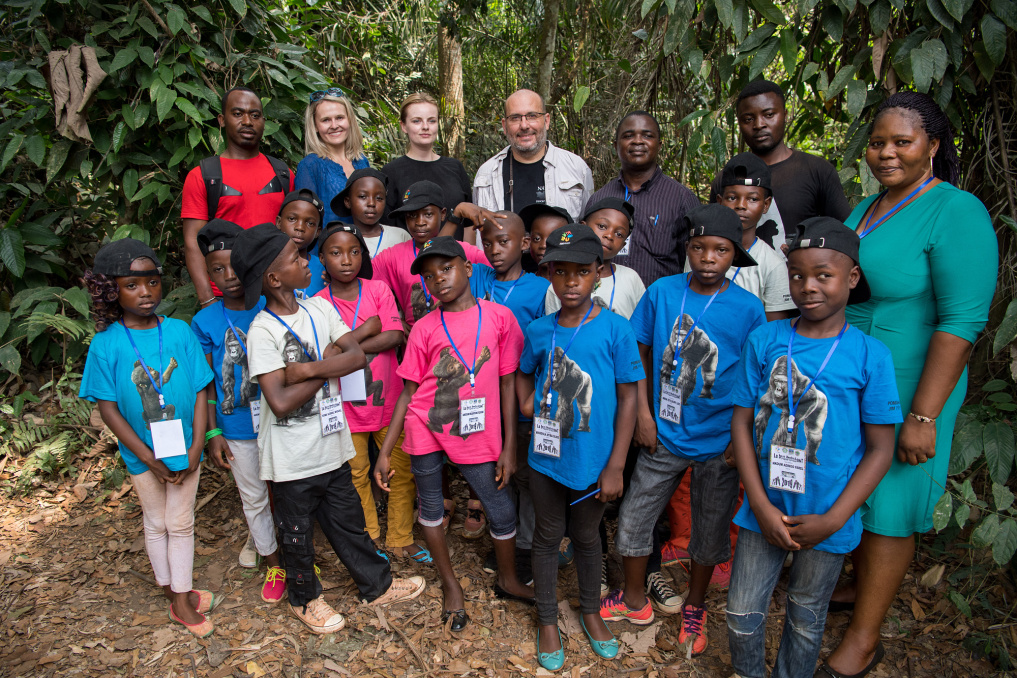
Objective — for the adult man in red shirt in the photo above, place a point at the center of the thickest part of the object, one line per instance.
(250, 189)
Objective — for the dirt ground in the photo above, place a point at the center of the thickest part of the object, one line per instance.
(77, 599)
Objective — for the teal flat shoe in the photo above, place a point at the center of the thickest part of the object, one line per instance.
(608, 649)
(552, 661)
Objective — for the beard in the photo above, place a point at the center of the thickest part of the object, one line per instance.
(539, 140)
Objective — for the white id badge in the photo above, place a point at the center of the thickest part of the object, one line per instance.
(353, 386)
(547, 437)
(472, 415)
(671, 403)
(330, 411)
(787, 469)
(256, 414)
(625, 248)
(168, 438)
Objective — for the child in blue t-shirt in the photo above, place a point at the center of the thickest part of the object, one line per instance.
(146, 374)
(581, 391)
(234, 402)
(691, 329)
(808, 462)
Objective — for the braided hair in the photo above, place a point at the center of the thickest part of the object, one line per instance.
(945, 164)
(105, 295)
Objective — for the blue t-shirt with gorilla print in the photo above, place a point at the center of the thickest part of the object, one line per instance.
(706, 369)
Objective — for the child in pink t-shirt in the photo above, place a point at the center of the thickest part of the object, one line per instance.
(369, 310)
(458, 399)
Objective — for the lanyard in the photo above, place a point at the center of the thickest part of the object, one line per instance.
(377, 248)
(507, 294)
(232, 327)
(314, 331)
(791, 404)
(896, 208)
(614, 286)
(360, 295)
(681, 316)
(554, 343)
(423, 285)
(476, 345)
(739, 269)
(148, 372)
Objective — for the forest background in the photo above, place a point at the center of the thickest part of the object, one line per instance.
(153, 118)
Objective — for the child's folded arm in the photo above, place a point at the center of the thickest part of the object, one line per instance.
(383, 341)
(507, 459)
(367, 329)
(524, 393)
(342, 357)
(112, 417)
(284, 396)
(610, 482)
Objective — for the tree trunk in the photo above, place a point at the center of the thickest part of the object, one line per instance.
(548, 37)
(450, 84)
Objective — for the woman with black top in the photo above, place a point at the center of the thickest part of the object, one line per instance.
(418, 119)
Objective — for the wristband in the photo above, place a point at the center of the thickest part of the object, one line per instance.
(924, 420)
(213, 433)
(211, 402)
(207, 301)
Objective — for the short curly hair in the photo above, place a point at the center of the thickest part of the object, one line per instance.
(105, 295)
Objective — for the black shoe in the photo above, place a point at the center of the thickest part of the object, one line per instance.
(824, 670)
(459, 619)
(491, 562)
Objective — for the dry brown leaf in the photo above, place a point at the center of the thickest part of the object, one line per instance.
(933, 576)
(917, 610)
(163, 638)
(254, 670)
(641, 641)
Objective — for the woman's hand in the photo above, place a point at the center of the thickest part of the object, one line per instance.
(916, 443)
(611, 484)
(220, 451)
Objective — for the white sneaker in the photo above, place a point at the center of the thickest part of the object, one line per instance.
(249, 554)
(319, 616)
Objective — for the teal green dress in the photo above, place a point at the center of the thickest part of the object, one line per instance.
(932, 267)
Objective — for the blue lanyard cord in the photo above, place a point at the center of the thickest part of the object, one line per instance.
(232, 326)
(739, 269)
(614, 286)
(896, 208)
(681, 316)
(507, 294)
(554, 343)
(791, 404)
(381, 237)
(356, 313)
(423, 285)
(476, 345)
(148, 373)
(314, 331)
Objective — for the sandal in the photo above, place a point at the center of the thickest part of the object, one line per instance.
(206, 600)
(203, 629)
(423, 556)
(824, 670)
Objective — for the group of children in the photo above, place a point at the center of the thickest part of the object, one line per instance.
(534, 384)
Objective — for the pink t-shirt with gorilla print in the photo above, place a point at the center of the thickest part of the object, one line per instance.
(432, 420)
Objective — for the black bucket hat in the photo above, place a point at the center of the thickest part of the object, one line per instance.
(366, 269)
(829, 234)
(115, 259)
(253, 252)
(573, 242)
(442, 246)
(715, 219)
(338, 203)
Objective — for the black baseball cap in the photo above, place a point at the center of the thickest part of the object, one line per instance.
(442, 246)
(829, 234)
(115, 259)
(716, 219)
(306, 195)
(338, 203)
(745, 169)
(529, 213)
(573, 242)
(253, 252)
(217, 234)
(421, 194)
(616, 204)
(366, 269)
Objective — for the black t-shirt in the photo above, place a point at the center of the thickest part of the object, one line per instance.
(527, 185)
(447, 172)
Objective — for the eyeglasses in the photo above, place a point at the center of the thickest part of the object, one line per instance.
(322, 93)
(517, 118)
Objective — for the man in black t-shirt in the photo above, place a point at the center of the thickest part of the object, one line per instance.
(803, 185)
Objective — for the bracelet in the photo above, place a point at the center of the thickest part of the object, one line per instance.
(924, 420)
(211, 402)
(213, 433)
(207, 301)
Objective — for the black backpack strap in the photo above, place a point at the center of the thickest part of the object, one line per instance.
(211, 173)
(282, 173)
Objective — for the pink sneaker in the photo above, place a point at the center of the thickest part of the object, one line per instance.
(275, 585)
(721, 577)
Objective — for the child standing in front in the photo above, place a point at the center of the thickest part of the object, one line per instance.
(572, 457)
(233, 401)
(369, 396)
(691, 329)
(298, 350)
(813, 433)
(148, 377)
(459, 400)
(300, 219)
(359, 202)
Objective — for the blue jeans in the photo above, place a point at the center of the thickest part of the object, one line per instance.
(757, 566)
(498, 504)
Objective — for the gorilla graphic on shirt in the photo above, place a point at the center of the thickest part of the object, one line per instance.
(452, 376)
(574, 387)
(375, 388)
(810, 414)
(233, 355)
(292, 353)
(698, 353)
(149, 396)
(418, 302)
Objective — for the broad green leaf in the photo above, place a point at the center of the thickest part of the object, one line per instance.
(960, 602)
(939, 13)
(937, 51)
(810, 70)
(280, 77)
(995, 385)
(994, 37)
(833, 22)
(130, 183)
(856, 93)
(967, 491)
(986, 531)
(5, 321)
(923, 68)
(189, 109)
(35, 147)
(763, 57)
(146, 190)
(1005, 543)
(10, 359)
(879, 16)
(769, 11)
(57, 158)
(647, 6)
(582, 94)
(119, 135)
(78, 299)
(13, 146)
(694, 60)
(85, 169)
(958, 8)
(840, 81)
(141, 113)
(757, 38)
(164, 104)
(998, 441)
(240, 7)
(1007, 11)
(122, 232)
(203, 12)
(178, 155)
(985, 65)
(12, 251)
(123, 58)
(788, 49)
(147, 55)
(962, 514)
(21, 302)
(176, 19)
(967, 446)
(725, 12)
(1007, 330)
(675, 31)
(695, 115)
(194, 136)
(718, 145)
(942, 512)
(1002, 497)
(740, 23)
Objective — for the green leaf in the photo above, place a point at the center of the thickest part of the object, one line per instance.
(923, 68)
(130, 183)
(12, 251)
(995, 385)
(176, 19)
(57, 158)
(1007, 11)
(986, 531)
(757, 38)
(675, 31)
(998, 441)
(582, 94)
(1007, 330)
(879, 17)
(5, 322)
(718, 145)
(1002, 497)
(695, 115)
(35, 147)
(78, 298)
(840, 81)
(833, 22)
(178, 155)
(22, 300)
(13, 146)
(1005, 543)
(194, 136)
(856, 94)
(939, 13)
(147, 55)
(942, 512)
(240, 7)
(10, 359)
(763, 57)
(119, 135)
(164, 103)
(141, 114)
(189, 109)
(962, 514)
(994, 37)
(967, 446)
(146, 190)
(694, 60)
(937, 51)
(122, 58)
(959, 602)
(788, 49)
(85, 169)
(725, 12)
(203, 12)
(958, 8)
(768, 11)
(647, 6)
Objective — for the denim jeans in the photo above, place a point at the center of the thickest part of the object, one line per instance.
(498, 504)
(756, 569)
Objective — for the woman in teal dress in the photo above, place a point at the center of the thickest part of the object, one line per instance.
(930, 255)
